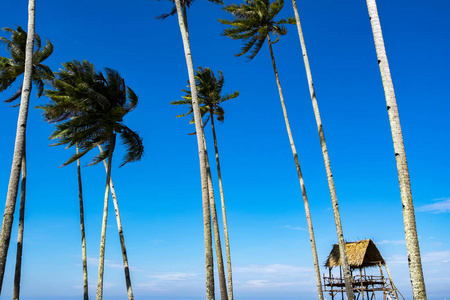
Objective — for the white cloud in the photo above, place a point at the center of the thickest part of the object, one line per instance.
(441, 205)
(398, 242)
(272, 269)
(173, 276)
(293, 227)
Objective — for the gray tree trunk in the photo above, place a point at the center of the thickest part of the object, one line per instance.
(101, 262)
(300, 177)
(18, 270)
(219, 256)
(209, 268)
(13, 186)
(121, 236)
(83, 235)
(409, 221)
(326, 159)
(224, 214)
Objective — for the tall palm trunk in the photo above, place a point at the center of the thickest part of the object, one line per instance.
(224, 213)
(18, 270)
(13, 186)
(209, 268)
(101, 263)
(300, 177)
(121, 236)
(219, 256)
(326, 159)
(83, 235)
(409, 221)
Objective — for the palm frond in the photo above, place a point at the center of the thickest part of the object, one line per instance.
(133, 143)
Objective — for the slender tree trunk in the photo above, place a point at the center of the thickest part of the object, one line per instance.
(219, 256)
(409, 221)
(83, 235)
(224, 213)
(13, 186)
(121, 236)
(300, 178)
(326, 159)
(101, 262)
(23, 187)
(209, 269)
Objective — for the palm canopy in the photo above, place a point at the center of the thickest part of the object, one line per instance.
(253, 22)
(184, 4)
(11, 68)
(89, 108)
(209, 89)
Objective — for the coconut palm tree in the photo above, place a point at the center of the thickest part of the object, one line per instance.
(69, 84)
(209, 90)
(254, 23)
(181, 7)
(19, 251)
(12, 68)
(105, 101)
(409, 220)
(326, 159)
(6, 75)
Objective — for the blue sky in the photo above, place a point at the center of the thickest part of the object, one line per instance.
(159, 197)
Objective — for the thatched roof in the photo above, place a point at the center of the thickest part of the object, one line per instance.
(361, 254)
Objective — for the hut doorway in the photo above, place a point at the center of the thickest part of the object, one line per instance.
(363, 256)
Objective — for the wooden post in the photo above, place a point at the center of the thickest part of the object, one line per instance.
(340, 279)
(331, 284)
(384, 284)
(394, 289)
(362, 283)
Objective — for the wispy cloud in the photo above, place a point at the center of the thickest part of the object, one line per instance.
(441, 205)
(397, 242)
(293, 227)
(110, 264)
(273, 279)
(173, 276)
(272, 269)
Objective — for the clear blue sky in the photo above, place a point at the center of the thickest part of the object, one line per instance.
(159, 197)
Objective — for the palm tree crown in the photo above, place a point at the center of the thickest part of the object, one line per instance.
(90, 107)
(254, 22)
(209, 89)
(11, 68)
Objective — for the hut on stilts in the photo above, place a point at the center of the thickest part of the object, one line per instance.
(361, 256)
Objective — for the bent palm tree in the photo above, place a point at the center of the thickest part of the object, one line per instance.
(11, 68)
(67, 85)
(100, 105)
(209, 90)
(326, 159)
(254, 23)
(181, 7)
(7, 77)
(409, 220)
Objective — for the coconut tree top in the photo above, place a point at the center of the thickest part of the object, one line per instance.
(11, 68)
(90, 106)
(209, 89)
(253, 22)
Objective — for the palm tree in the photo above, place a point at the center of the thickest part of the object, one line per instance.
(326, 159)
(19, 148)
(209, 90)
(104, 101)
(19, 251)
(409, 221)
(69, 84)
(181, 7)
(11, 68)
(254, 23)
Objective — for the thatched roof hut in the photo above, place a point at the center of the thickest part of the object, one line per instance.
(361, 254)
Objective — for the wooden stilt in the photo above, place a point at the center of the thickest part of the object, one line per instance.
(394, 289)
